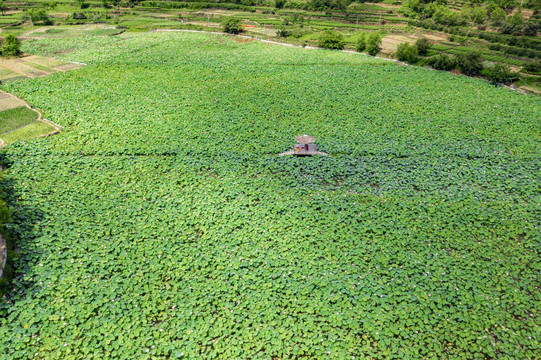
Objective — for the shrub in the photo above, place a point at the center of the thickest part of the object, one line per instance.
(506, 28)
(422, 45)
(533, 67)
(498, 17)
(516, 19)
(231, 25)
(479, 16)
(282, 32)
(500, 74)
(38, 15)
(372, 43)
(79, 16)
(331, 40)
(443, 62)
(10, 47)
(470, 63)
(3, 7)
(361, 42)
(530, 28)
(406, 52)
(279, 3)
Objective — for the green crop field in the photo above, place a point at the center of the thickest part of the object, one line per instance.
(162, 224)
(14, 118)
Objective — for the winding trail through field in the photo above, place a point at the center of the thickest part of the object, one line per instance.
(20, 102)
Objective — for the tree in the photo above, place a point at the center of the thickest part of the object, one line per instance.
(372, 43)
(279, 3)
(443, 62)
(470, 63)
(361, 42)
(283, 32)
(3, 7)
(500, 74)
(533, 67)
(10, 47)
(232, 25)
(498, 16)
(505, 4)
(530, 28)
(516, 19)
(422, 45)
(38, 15)
(479, 16)
(331, 40)
(406, 52)
(82, 4)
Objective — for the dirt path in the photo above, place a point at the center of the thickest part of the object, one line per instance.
(21, 102)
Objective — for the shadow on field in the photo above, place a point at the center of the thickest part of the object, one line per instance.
(18, 233)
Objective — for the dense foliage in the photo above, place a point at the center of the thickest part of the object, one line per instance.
(232, 25)
(406, 52)
(500, 74)
(10, 46)
(331, 40)
(162, 223)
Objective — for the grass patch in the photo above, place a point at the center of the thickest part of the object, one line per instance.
(28, 132)
(39, 67)
(6, 73)
(14, 118)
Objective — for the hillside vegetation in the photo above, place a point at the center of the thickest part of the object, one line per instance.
(499, 37)
(162, 224)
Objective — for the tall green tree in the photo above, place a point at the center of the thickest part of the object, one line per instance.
(232, 25)
(373, 43)
(10, 47)
(3, 7)
(498, 16)
(331, 40)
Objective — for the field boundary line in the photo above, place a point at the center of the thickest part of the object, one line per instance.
(57, 128)
(20, 127)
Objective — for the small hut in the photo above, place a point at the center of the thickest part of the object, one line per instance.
(305, 147)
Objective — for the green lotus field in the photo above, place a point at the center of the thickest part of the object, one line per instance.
(162, 224)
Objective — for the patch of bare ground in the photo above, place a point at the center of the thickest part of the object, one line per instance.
(241, 40)
(8, 101)
(32, 66)
(390, 43)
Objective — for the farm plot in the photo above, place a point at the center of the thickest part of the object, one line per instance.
(32, 66)
(162, 223)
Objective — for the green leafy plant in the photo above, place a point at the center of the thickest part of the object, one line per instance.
(406, 52)
(373, 43)
(164, 224)
(331, 40)
(232, 25)
(500, 74)
(422, 45)
(10, 47)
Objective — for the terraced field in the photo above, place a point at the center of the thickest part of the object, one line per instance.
(162, 223)
(31, 67)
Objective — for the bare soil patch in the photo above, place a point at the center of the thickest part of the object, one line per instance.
(241, 40)
(8, 101)
(390, 43)
(32, 66)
